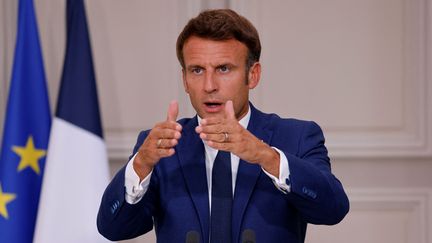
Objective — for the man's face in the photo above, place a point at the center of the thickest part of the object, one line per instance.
(215, 72)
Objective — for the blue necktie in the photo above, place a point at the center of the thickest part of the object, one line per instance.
(221, 199)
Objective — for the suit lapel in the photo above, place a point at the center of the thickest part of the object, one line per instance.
(248, 173)
(191, 154)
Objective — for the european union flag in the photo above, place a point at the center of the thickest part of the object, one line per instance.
(26, 134)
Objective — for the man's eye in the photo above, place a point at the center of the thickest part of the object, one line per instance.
(224, 69)
(197, 70)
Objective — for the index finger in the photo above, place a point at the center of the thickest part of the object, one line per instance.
(211, 121)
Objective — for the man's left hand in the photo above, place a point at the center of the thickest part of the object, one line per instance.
(225, 133)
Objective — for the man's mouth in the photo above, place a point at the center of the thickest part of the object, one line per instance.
(213, 106)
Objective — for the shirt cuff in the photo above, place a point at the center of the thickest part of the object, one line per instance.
(135, 189)
(282, 183)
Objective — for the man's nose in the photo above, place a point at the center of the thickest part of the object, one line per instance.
(210, 83)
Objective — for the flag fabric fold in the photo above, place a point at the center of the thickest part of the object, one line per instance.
(77, 168)
(25, 135)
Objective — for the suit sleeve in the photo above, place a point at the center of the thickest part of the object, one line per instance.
(119, 220)
(316, 193)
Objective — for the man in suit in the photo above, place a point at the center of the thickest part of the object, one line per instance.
(232, 168)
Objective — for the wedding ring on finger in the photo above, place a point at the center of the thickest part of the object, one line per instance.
(159, 142)
(226, 137)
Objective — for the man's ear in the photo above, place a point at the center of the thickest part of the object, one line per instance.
(254, 75)
(184, 81)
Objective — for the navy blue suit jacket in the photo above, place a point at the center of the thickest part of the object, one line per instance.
(177, 200)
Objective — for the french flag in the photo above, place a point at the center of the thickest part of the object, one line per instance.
(76, 171)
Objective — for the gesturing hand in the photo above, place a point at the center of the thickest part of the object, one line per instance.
(159, 143)
(226, 133)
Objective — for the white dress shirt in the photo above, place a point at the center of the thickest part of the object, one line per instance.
(135, 189)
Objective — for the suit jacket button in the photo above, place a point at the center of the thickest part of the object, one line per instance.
(287, 181)
(310, 193)
(114, 206)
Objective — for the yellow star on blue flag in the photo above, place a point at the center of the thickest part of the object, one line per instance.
(29, 156)
(25, 135)
(5, 198)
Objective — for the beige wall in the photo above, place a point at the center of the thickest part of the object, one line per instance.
(360, 68)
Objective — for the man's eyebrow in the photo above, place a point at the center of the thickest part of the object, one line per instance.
(228, 64)
(193, 66)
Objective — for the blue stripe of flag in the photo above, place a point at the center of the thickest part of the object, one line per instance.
(78, 99)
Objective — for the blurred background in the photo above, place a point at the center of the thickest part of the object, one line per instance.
(362, 69)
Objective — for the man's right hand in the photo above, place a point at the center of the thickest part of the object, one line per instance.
(159, 143)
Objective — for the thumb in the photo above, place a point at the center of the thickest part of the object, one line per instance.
(229, 110)
(172, 111)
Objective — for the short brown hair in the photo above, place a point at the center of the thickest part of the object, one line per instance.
(221, 24)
